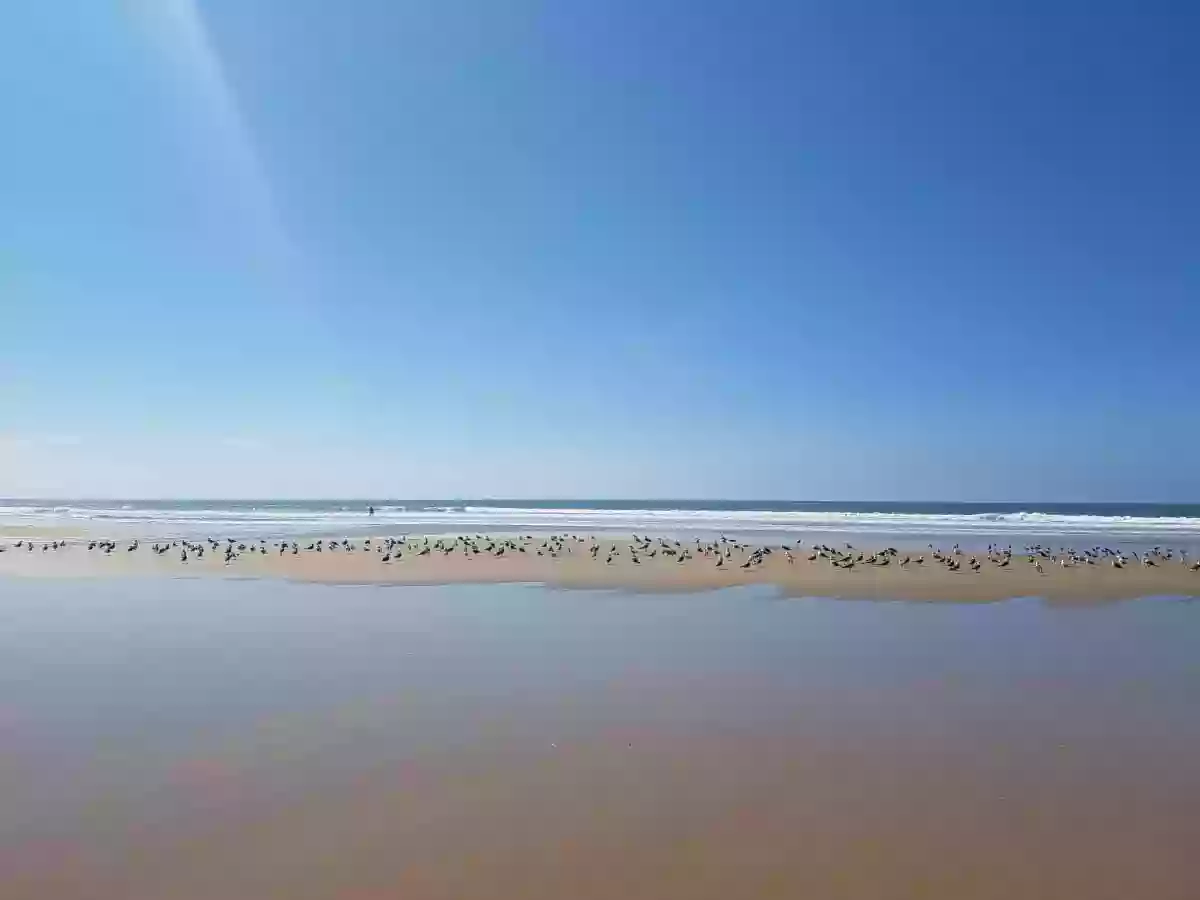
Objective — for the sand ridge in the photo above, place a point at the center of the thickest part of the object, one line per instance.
(640, 563)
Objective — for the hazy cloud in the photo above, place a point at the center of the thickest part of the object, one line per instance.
(39, 440)
(239, 442)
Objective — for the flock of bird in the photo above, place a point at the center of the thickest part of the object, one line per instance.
(720, 553)
(1001, 558)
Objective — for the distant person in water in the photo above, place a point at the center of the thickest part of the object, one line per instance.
(370, 510)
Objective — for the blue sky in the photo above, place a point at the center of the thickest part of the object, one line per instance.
(600, 248)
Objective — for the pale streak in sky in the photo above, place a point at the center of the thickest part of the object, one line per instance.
(178, 31)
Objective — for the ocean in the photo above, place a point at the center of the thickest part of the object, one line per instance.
(1084, 524)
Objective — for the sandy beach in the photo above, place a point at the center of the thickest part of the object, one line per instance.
(599, 451)
(674, 566)
(197, 738)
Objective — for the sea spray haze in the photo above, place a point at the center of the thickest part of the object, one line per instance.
(969, 523)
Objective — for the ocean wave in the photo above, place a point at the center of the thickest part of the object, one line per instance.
(284, 519)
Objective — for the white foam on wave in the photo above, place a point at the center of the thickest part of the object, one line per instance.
(299, 519)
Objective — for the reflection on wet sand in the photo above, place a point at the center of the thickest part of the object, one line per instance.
(202, 738)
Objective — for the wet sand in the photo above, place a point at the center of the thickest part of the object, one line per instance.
(575, 568)
(199, 739)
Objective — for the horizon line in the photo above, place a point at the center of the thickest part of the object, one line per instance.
(368, 500)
